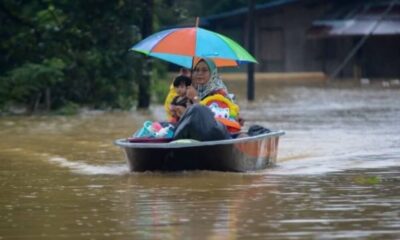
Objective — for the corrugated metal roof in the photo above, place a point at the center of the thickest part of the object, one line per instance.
(355, 27)
(358, 18)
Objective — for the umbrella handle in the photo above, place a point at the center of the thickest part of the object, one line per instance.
(197, 25)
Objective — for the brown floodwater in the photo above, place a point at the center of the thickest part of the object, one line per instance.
(337, 177)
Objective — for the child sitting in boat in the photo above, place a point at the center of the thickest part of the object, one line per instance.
(172, 92)
(181, 101)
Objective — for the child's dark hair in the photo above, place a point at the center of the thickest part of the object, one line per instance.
(182, 79)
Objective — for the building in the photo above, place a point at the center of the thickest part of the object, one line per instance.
(319, 35)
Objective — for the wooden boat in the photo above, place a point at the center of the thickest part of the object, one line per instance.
(240, 154)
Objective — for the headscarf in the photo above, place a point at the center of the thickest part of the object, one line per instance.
(214, 83)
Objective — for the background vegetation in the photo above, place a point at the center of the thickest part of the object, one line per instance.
(66, 54)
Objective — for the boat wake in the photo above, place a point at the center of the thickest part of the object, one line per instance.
(88, 169)
(334, 163)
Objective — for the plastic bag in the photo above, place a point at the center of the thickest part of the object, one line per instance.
(155, 130)
(198, 123)
(257, 130)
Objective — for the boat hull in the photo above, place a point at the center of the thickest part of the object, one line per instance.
(237, 155)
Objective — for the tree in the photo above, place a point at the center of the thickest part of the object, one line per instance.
(54, 53)
(91, 39)
(144, 81)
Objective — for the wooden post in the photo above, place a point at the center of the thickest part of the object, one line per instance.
(250, 66)
(48, 99)
(357, 66)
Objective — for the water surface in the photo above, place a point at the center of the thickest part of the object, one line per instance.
(337, 176)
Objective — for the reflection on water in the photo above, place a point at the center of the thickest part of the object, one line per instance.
(337, 175)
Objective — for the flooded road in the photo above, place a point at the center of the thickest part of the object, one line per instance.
(337, 176)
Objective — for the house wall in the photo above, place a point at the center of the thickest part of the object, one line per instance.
(381, 57)
(282, 44)
(270, 41)
(300, 53)
(378, 58)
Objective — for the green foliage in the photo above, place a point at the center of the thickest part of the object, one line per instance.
(367, 180)
(54, 53)
(125, 102)
(160, 91)
(160, 83)
(69, 108)
(27, 82)
(77, 51)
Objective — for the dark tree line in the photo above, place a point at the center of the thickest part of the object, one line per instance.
(55, 53)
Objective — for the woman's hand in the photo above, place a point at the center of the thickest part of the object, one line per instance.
(179, 110)
(173, 111)
(191, 93)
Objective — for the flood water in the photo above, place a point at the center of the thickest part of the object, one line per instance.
(337, 177)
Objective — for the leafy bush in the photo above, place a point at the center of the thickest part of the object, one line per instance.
(160, 82)
(54, 53)
(69, 108)
(27, 84)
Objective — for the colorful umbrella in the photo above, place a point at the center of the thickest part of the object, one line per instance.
(183, 46)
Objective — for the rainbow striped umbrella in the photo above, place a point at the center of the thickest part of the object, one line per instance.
(183, 46)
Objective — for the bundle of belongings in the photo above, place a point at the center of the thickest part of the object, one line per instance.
(225, 111)
(153, 131)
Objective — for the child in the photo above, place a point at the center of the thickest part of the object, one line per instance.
(172, 93)
(180, 102)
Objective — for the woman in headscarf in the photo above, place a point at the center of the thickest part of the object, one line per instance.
(215, 117)
(206, 79)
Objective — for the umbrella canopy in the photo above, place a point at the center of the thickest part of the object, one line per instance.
(184, 46)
